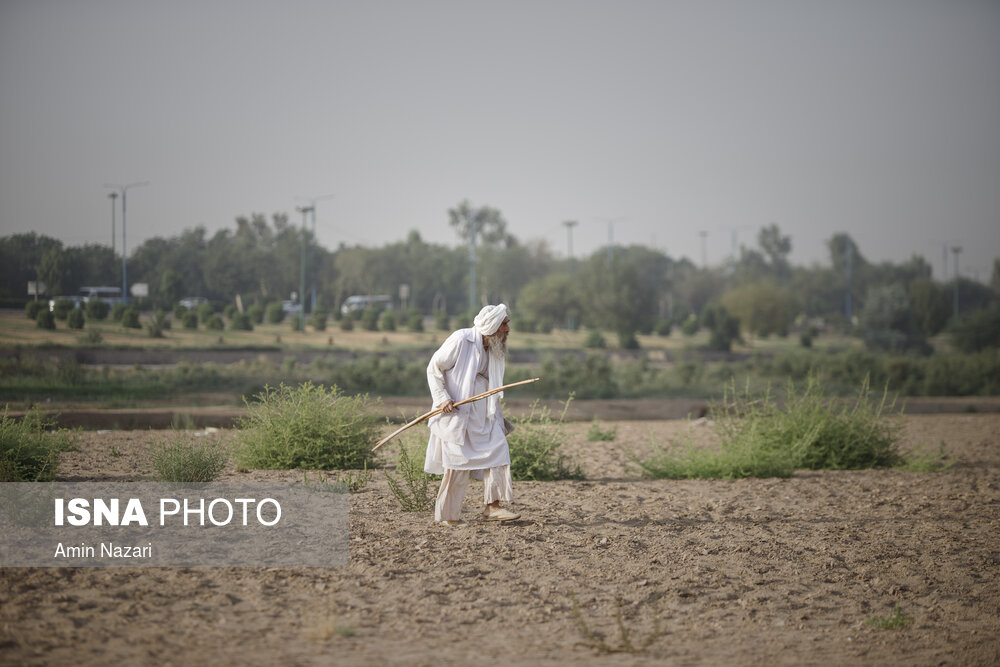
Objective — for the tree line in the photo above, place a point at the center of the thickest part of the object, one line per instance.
(624, 289)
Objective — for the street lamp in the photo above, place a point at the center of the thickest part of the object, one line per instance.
(113, 196)
(304, 210)
(611, 234)
(312, 206)
(955, 251)
(124, 189)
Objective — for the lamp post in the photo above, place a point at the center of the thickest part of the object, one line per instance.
(569, 224)
(312, 206)
(304, 210)
(955, 251)
(124, 189)
(113, 196)
(611, 235)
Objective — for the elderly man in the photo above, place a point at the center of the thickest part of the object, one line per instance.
(470, 438)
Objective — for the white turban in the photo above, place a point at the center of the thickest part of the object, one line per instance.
(490, 318)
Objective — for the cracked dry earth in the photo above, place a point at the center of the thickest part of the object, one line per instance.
(757, 571)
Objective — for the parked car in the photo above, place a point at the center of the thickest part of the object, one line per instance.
(362, 302)
(192, 302)
(291, 308)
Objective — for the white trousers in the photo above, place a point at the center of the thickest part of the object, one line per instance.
(496, 486)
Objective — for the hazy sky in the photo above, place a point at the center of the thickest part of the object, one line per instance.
(880, 118)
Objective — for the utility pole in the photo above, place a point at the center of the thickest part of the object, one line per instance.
(848, 262)
(569, 224)
(956, 250)
(473, 228)
(124, 189)
(704, 250)
(611, 235)
(305, 211)
(113, 196)
(734, 238)
(312, 204)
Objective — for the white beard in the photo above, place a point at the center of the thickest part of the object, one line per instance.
(496, 346)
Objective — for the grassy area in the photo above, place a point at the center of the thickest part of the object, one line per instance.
(17, 330)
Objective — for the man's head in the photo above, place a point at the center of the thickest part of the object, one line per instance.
(493, 324)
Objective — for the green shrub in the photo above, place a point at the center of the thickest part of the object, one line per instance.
(724, 328)
(977, 331)
(534, 447)
(296, 322)
(45, 319)
(594, 340)
(240, 322)
(97, 310)
(758, 437)
(130, 318)
(663, 327)
(75, 319)
(189, 320)
(91, 337)
(180, 311)
(410, 486)
(369, 319)
(256, 313)
(387, 321)
(628, 341)
(690, 326)
(205, 311)
(32, 308)
(306, 427)
(229, 311)
(29, 448)
(415, 322)
(62, 307)
(318, 320)
(157, 324)
(347, 324)
(274, 313)
(442, 322)
(214, 323)
(596, 434)
(186, 459)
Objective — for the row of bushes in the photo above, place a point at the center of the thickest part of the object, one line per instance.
(592, 376)
(315, 428)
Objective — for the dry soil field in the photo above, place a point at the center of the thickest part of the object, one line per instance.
(757, 571)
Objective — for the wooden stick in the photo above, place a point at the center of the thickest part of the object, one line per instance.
(438, 411)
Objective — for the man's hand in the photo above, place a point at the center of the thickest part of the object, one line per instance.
(447, 406)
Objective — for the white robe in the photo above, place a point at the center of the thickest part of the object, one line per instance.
(466, 438)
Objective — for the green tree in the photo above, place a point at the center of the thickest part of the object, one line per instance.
(886, 320)
(724, 327)
(762, 308)
(488, 223)
(171, 287)
(931, 306)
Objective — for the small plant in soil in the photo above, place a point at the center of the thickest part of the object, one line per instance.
(184, 459)
(534, 447)
(897, 620)
(596, 434)
(410, 485)
(308, 426)
(624, 644)
(29, 447)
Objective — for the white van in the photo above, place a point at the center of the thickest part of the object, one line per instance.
(360, 302)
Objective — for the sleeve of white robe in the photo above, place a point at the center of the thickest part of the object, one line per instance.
(442, 360)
